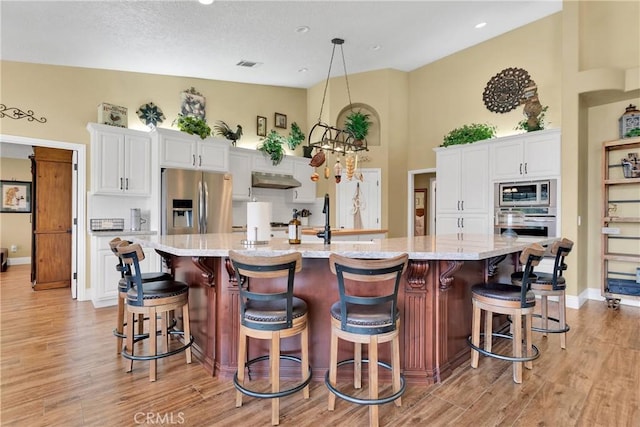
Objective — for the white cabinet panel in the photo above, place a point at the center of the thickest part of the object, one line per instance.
(184, 151)
(306, 193)
(177, 152)
(528, 156)
(213, 155)
(240, 168)
(467, 224)
(262, 163)
(120, 161)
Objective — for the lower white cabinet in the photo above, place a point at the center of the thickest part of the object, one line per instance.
(467, 224)
(306, 193)
(240, 169)
(105, 277)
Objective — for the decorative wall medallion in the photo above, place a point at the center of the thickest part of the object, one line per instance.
(150, 114)
(16, 114)
(504, 91)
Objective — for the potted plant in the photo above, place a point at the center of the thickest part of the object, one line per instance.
(193, 125)
(272, 146)
(357, 124)
(296, 136)
(469, 133)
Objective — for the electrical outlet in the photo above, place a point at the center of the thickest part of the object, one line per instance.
(14, 248)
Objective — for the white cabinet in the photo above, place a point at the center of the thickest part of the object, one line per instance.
(120, 161)
(262, 163)
(184, 151)
(462, 191)
(532, 155)
(306, 193)
(104, 277)
(240, 168)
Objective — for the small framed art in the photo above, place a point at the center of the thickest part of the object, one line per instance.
(16, 196)
(261, 126)
(193, 104)
(281, 121)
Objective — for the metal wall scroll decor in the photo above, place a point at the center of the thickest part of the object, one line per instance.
(17, 114)
(504, 91)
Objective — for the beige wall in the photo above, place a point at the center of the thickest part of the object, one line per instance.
(15, 228)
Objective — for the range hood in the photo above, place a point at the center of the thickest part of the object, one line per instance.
(273, 180)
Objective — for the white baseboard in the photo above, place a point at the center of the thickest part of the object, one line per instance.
(19, 261)
(104, 302)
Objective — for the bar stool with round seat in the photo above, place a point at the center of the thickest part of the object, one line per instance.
(367, 313)
(512, 300)
(125, 270)
(153, 299)
(270, 314)
(551, 285)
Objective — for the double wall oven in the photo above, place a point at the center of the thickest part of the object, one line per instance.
(528, 208)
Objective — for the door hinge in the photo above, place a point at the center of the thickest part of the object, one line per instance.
(75, 166)
(75, 221)
(75, 276)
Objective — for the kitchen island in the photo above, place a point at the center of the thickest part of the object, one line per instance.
(434, 298)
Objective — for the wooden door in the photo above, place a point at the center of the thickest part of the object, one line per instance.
(52, 218)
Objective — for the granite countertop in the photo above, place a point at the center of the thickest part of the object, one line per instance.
(444, 247)
(118, 233)
(312, 231)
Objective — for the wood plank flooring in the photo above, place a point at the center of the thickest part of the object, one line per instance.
(59, 368)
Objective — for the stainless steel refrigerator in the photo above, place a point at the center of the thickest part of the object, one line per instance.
(196, 202)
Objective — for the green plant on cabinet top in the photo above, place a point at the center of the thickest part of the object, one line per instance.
(469, 133)
(193, 125)
(272, 146)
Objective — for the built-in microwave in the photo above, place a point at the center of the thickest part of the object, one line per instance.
(526, 193)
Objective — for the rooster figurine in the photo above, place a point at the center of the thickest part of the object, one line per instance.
(221, 128)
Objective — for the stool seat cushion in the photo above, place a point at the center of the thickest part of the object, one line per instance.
(154, 276)
(541, 281)
(155, 290)
(503, 292)
(365, 315)
(274, 311)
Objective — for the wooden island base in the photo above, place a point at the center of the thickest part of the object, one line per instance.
(434, 301)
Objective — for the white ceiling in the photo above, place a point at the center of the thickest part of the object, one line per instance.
(185, 38)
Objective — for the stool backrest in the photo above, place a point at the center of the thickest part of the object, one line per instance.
(266, 267)
(381, 279)
(560, 249)
(530, 257)
(131, 255)
(113, 244)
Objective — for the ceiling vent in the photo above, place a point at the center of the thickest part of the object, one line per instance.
(248, 64)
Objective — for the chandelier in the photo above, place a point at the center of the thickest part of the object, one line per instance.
(324, 137)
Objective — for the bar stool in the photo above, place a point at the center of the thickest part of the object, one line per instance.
(150, 300)
(367, 313)
(546, 285)
(512, 300)
(270, 316)
(125, 270)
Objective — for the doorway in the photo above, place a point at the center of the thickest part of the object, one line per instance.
(359, 201)
(421, 179)
(78, 190)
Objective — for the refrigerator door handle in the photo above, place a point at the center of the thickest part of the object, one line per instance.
(205, 213)
(200, 206)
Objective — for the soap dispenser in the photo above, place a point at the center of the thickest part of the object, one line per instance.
(295, 229)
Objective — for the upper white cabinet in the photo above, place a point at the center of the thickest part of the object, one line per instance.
(120, 161)
(302, 172)
(184, 151)
(532, 155)
(240, 168)
(262, 163)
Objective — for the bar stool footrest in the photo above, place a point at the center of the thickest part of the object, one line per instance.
(139, 337)
(270, 395)
(361, 401)
(535, 355)
(130, 356)
(550, 331)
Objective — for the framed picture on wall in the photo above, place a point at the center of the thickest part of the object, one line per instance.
(261, 126)
(16, 196)
(281, 121)
(193, 103)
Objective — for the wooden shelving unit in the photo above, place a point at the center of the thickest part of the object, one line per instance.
(620, 223)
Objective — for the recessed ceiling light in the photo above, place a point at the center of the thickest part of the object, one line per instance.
(303, 70)
(205, 1)
(375, 47)
(302, 29)
(480, 25)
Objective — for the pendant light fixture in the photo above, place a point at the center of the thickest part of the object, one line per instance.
(331, 138)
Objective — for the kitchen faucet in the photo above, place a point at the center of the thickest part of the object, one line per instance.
(326, 234)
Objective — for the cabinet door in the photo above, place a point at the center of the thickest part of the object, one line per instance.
(542, 156)
(507, 160)
(447, 224)
(262, 163)
(448, 181)
(475, 224)
(474, 180)
(178, 152)
(240, 168)
(107, 153)
(212, 156)
(306, 193)
(137, 166)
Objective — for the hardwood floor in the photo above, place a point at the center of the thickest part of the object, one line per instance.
(59, 368)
